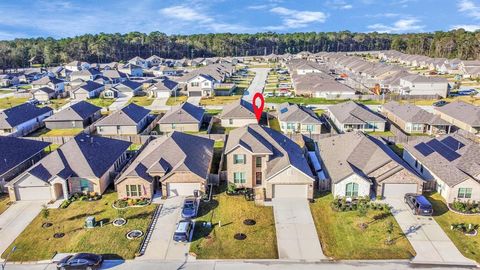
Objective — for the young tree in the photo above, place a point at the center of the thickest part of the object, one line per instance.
(389, 231)
(45, 212)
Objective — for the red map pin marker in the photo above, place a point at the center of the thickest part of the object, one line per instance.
(258, 109)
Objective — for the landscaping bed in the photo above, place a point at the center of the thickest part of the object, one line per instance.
(469, 246)
(38, 243)
(124, 203)
(92, 196)
(227, 215)
(465, 208)
(353, 235)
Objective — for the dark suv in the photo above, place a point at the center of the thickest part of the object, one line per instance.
(419, 204)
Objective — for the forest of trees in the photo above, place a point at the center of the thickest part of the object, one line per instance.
(117, 47)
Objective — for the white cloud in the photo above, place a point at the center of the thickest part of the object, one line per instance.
(466, 27)
(470, 8)
(292, 19)
(383, 15)
(348, 6)
(185, 13)
(400, 26)
(257, 7)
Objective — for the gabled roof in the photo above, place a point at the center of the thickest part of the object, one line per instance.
(450, 157)
(47, 79)
(14, 151)
(164, 85)
(282, 151)
(238, 109)
(77, 112)
(20, 114)
(351, 112)
(47, 90)
(128, 86)
(356, 153)
(129, 115)
(183, 114)
(299, 114)
(88, 86)
(462, 111)
(164, 156)
(413, 114)
(83, 156)
(85, 72)
(113, 74)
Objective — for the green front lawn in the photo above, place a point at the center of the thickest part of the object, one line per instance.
(101, 102)
(342, 238)
(4, 202)
(37, 243)
(8, 102)
(274, 124)
(176, 100)
(219, 100)
(52, 147)
(61, 132)
(231, 211)
(469, 246)
(142, 101)
(58, 103)
(309, 100)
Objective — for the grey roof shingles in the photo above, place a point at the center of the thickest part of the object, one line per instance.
(351, 112)
(183, 114)
(462, 111)
(20, 114)
(298, 114)
(77, 112)
(131, 114)
(238, 109)
(14, 151)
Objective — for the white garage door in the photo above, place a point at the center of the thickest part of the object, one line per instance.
(182, 189)
(398, 190)
(195, 93)
(290, 191)
(33, 194)
(163, 94)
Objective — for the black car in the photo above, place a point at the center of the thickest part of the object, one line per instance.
(85, 261)
(419, 204)
(183, 231)
(440, 103)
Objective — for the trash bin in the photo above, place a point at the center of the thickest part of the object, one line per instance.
(90, 222)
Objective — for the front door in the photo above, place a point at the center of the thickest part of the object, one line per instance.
(258, 178)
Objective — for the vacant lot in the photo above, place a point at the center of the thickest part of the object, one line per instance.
(9, 102)
(101, 102)
(227, 214)
(342, 238)
(37, 243)
(141, 101)
(469, 246)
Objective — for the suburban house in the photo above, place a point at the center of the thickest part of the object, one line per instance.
(78, 115)
(123, 89)
(77, 65)
(422, 85)
(7, 80)
(17, 155)
(238, 114)
(201, 85)
(298, 119)
(130, 120)
(163, 89)
(358, 165)
(350, 116)
(50, 82)
(269, 162)
(413, 119)
(461, 114)
(185, 118)
(85, 75)
(154, 60)
(177, 165)
(43, 94)
(131, 70)
(451, 163)
(86, 90)
(112, 76)
(139, 61)
(83, 164)
(23, 119)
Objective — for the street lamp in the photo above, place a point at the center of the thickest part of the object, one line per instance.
(6, 258)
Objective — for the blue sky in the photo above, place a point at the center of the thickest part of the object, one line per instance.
(55, 18)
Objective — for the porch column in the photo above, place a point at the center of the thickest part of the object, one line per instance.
(65, 190)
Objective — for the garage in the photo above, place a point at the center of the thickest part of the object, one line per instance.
(182, 189)
(162, 94)
(290, 191)
(40, 193)
(195, 93)
(398, 190)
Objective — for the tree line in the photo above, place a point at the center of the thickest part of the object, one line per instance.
(101, 48)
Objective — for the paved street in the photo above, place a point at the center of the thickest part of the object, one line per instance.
(297, 237)
(161, 245)
(14, 220)
(258, 83)
(428, 239)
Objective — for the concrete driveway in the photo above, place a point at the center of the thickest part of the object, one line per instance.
(428, 239)
(161, 245)
(120, 101)
(15, 219)
(258, 83)
(297, 237)
(194, 100)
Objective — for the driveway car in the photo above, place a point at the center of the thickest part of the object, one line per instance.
(189, 208)
(86, 261)
(440, 103)
(183, 231)
(419, 204)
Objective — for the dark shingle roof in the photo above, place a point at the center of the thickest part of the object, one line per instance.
(131, 114)
(78, 111)
(19, 114)
(14, 151)
(185, 113)
(88, 86)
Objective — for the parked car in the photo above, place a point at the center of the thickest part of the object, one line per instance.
(440, 103)
(86, 261)
(190, 207)
(33, 101)
(183, 231)
(419, 204)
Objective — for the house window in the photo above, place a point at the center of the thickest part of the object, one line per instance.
(230, 121)
(238, 159)
(134, 190)
(351, 190)
(84, 185)
(464, 193)
(239, 177)
(290, 126)
(258, 162)
(195, 84)
(173, 125)
(309, 127)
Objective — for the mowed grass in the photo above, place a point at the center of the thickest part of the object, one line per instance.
(342, 238)
(274, 124)
(219, 100)
(101, 102)
(142, 101)
(4, 202)
(62, 132)
(176, 100)
(231, 211)
(9, 102)
(37, 243)
(469, 246)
